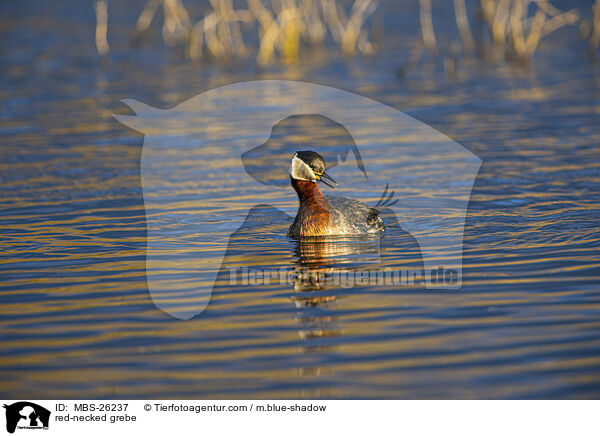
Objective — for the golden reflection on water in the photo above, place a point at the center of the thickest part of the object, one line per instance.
(76, 317)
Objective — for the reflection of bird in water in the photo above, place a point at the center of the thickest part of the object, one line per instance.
(319, 215)
(322, 261)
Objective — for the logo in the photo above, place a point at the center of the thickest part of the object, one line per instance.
(26, 415)
(383, 152)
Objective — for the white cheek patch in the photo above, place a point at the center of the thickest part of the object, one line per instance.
(299, 170)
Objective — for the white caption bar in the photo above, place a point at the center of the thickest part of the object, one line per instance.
(299, 417)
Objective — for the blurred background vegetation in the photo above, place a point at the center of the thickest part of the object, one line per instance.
(67, 64)
(283, 30)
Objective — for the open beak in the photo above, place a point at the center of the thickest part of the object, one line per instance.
(328, 180)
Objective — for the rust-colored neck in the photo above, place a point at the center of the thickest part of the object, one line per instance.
(313, 217)
(307, 191)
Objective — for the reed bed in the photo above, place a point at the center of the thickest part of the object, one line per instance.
(516, 26)
(283, 27)
(280, 29)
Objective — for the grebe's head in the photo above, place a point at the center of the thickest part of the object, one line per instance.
(310, 166)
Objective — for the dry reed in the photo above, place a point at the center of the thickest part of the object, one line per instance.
(518, 26)
(595, 32)
(101, 9)
(283, 26)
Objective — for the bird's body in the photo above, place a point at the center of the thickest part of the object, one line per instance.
(320, 215)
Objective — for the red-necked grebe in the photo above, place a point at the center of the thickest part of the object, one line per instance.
(320, 215)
